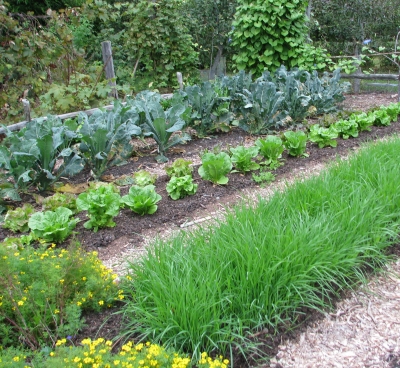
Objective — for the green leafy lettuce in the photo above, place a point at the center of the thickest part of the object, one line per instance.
(296, 142)
(323, 136)
(141, 200)
(242, 158)
(215, 167)
(17, 220)
(52, 226)
(271, 148)
(102, 205)
(180, 187)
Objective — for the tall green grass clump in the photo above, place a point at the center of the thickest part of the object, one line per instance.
(207, 290)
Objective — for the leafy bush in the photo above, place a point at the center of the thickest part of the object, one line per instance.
(323, 136)
(105, 137)
(102, 205)
(296, 143)
(215, 167)
(242, 158)
(261, 108)
(44, 292)
(52, 226)
(210, 109)
(30, 155)
(325, 92)
(17, 220)
(271, 148)
(181, 186)
(160, 124)
(180, 167)
(296, 99)
(346, 128)
(143, 178)
(141, 200)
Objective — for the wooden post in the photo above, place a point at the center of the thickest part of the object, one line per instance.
(180, 80)
(27, 109)
(398, 89)
(357, 82)
(109, 66)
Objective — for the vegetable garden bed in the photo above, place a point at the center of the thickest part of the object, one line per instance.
(130, 229)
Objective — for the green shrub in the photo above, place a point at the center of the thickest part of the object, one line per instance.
(44, 292)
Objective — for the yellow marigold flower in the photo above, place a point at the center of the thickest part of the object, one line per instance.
(141, 362)
(5, 257)
(101, 302)
(61, 281)
(78, 304)
(20, 303)
(60, 342)
(52, 353)
(16, 254)
(226, 361)
(84, 278)
(56, 311)
(120, 297)
(116, 362)
(139, 347)
(88, 360)
(109, 343)
(16, 359)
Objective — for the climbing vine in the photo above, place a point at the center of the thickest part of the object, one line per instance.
(268, 33)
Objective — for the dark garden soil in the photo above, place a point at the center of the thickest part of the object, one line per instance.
(110, 242)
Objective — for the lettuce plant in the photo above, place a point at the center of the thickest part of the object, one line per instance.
(180, 187)
(346, 128)
(102, 205)
(52, 226)
(17, 220)
(67, 200)
(271, 148)
(296, 142)
(180, 167)
(393, 110)
(382, 118)
(215, 167)
(141, 200)
(143, 178)
(242, 158)
(364, 121)
(323, 136)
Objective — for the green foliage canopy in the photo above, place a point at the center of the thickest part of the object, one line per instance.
(268, 33)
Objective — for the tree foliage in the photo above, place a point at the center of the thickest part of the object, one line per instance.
(39, 7)
(268, 33)
(340, 21)
(209, 22)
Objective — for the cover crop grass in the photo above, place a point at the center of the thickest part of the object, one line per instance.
(260, 265)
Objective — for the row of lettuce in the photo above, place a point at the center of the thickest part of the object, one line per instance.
(47, 149)
(48, 289)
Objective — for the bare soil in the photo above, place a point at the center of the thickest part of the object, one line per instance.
(132, 232)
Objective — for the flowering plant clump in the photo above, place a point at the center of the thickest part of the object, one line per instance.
(97, 354)
(45, 290)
